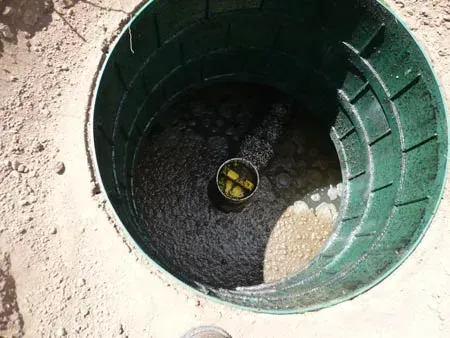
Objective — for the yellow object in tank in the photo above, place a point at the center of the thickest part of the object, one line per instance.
(231, 174)
(228, 186)
(234, 176)
(246, 184)
(237, 192)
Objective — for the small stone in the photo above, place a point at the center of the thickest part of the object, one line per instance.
(6, 32)
(15, 174)
(13, 78)
(22, 231)
(7, 11)
(7, 163)
(21, 168)
(24, 203)
(53, 231)
(15, 164)
(64, 68)
(68, 3)
(95, 190)
(194, 302)
(37, 147)
(121, 330)
(61, 332)
(81, 282)
(60, 168)
(105, 46)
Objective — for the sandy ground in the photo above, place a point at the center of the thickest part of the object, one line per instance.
(65, 270)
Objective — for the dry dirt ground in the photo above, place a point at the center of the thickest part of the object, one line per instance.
(65, 270)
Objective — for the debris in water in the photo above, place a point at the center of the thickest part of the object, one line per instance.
(237, 179)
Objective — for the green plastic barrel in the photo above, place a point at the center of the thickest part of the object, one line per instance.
(352, 63)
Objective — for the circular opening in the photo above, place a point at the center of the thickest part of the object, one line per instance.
(334, 104)
(237, 180)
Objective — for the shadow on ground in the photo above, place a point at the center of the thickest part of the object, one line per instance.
(29, 16)
(11, 321)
